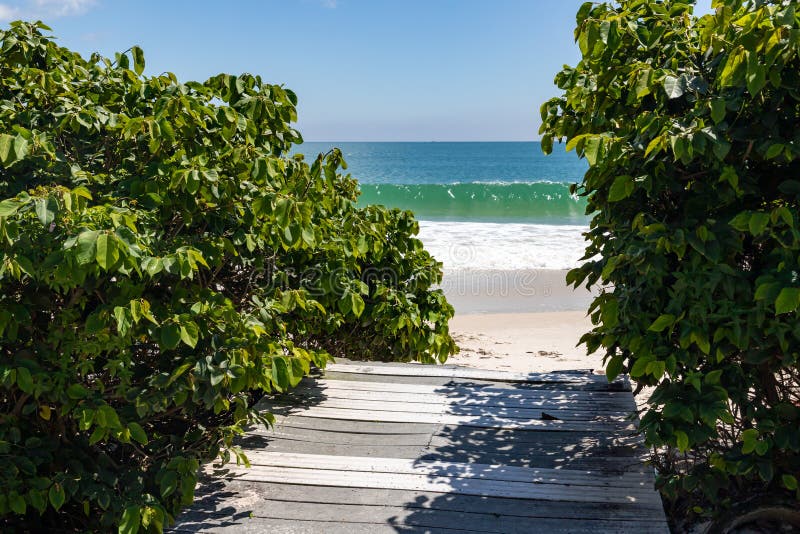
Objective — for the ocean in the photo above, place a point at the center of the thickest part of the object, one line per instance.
(481, 206)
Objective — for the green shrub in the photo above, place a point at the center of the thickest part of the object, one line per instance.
(163, 264)
(691, 128)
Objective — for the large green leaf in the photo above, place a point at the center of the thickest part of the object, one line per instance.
(190, 333)
(674, 87)
(756, 74)
(170, 336)
(662, 322)
(788, 300)
(357, 304)
(280, 373)
(643, 83)
(46, 209)
(130, 521)
(9, 207)
(107, 250)
(614, 367)
(137, 432)
(682, 440)
(138, 59)
(169, 483)
(17, 503)
(718, 106)
(24, 380)
(56, 495)
(87, 246)
(20, 147)
(774, 150)
(621, 188)
(592, 149)
(7, 155)
(758, 222)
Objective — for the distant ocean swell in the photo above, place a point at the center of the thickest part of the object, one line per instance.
(496, 214)
(534, 202)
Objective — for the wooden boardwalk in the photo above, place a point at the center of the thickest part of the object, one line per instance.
(409, 448)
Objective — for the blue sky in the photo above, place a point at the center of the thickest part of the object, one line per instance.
(382, 70)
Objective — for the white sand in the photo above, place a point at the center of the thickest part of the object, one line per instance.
(530, 342)
(519, 320)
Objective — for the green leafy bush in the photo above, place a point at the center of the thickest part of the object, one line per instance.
(691, 128)
(163, 264)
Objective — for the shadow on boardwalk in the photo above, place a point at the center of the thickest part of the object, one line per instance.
(364, 452)
(598, 490)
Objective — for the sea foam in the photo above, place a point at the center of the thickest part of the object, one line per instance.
(475, 246)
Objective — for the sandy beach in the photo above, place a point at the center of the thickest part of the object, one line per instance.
(544, 341)
(519, 320)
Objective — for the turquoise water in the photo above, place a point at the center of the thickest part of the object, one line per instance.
(482, 206)
(491, 182)
(537, 202)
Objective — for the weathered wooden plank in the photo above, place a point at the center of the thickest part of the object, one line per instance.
(617, 403)
(442, 484)
(344, 438)
(472, 521)
(195, 521)
(503, 473)
(561, 412)
(470, 382)
(513, 391)
(489, 445)
(437, 445)
(452, 435)
(534, 436)
(465, 420)
(604, 455)
(430, 403)
(216, 495)
(332, 449)
(557, 448)
(438, 381)
(449, 371)
(610, 464)
(515, 457)
(609, 460)
(344, 425)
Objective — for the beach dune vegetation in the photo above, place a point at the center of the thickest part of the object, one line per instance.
(691, 127)
(164, 263)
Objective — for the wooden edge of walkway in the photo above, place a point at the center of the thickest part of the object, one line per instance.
(453, 371)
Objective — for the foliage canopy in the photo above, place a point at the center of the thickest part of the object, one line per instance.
(691, 128)
(164, 262)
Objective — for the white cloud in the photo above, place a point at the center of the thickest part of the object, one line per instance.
(8, 13)
(330, 4)
(43, 9)
(61, 8)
